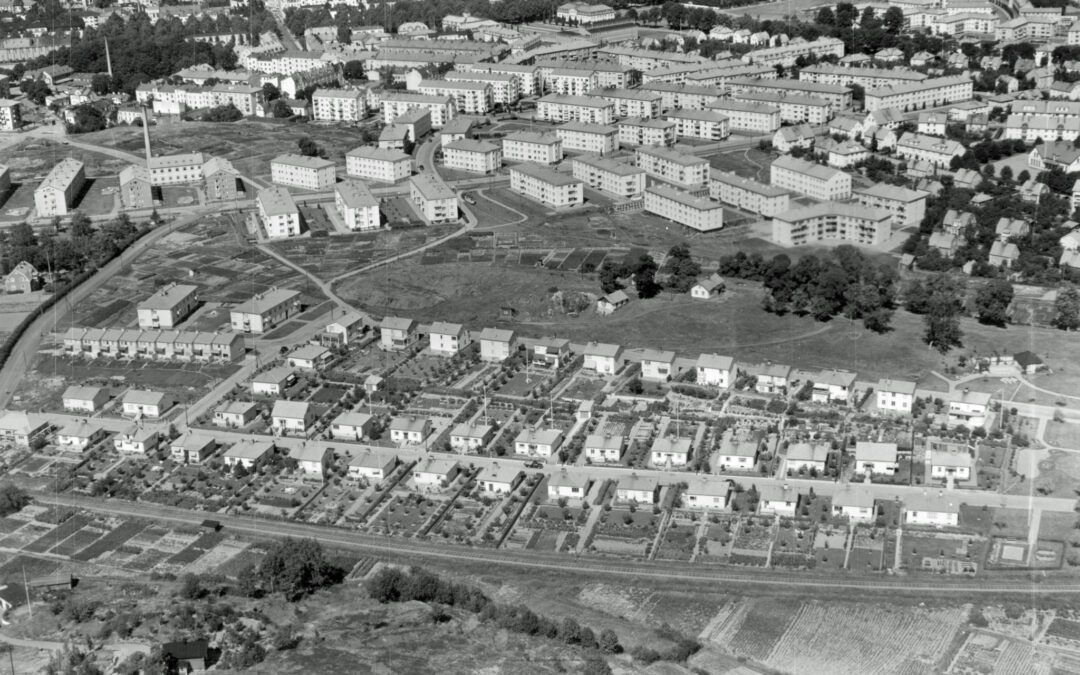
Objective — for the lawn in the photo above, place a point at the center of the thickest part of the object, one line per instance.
(98, 196)
(1063, 435)
(489, 212)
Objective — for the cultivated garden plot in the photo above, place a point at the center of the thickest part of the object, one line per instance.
(461, 521)
(794, 543)
(330, 503)
(715, 546)
(753, 539)
(942, 553)
(868, 550)
(403, 515)
(550, 527)
(625, 532)
(983, 653)
(679, 542)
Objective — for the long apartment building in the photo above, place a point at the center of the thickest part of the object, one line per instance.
(697, 213)
(906, 206)
(176, 169)
(357, 206)
(527, 146)
(747, 194)
(382, 164)
(918, 95)
(787, 55)
(683, 96)
(546, 185)
(757, 118)
(838, 97)
(57, 192)
(606, 175)
(937, 151)
(637, 131)
(632, 102)
(156, 345)
(473, 156)
(810, 179)
(505, 88)
(600, 139)
(1048, 120)
(167, 307)
(311, 173)
(867, 78)
(395, 104)
(688, 171)
(717, 76)
(793, 109)
(435, 200)
(530, 80)
(705, 124)
(279, 213)
(339, 105)
(587, 109)
(831, 221)
(569, 81)
(471, 97)
(265, 311)
(647, 59)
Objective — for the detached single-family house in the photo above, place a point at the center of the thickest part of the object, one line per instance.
(472, 437)
(273, 382)
(85, 399)
(833, 386)
(136, 439)
(552, 351)
(670, 451)
(247, 453)
(410, 430)
(778, 500)
(345, 330)
(447, 339)
(496, 344)
(969, 408)
(538, 442)
(808, 456)
(876, 458)
(1003, 254)
(398, 333)
(855, 502)
(640, 489)
(143, 403)
(711, 287)
(434, 472)
(235, 414)
(309, 357)
(191, 448)
(572, 485)
(291, 417)
(772, 378)
(895, 396)
(713, 370)
(611, 302)
(79, 435)
(928, 508)
(373, 466)
(500, 479)
(948, 460)
(24, 278)
(600, 448)
(738, 450)
(352, 426)
(312, 460)
(603, 359)
(1028, 362)
(657, 365)
(706, 492)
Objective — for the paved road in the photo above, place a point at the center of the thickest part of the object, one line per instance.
(667, 570)
(31, 644)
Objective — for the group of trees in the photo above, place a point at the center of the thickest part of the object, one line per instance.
(82, 249)
(294, 567)
(940, 299)
(640, 268)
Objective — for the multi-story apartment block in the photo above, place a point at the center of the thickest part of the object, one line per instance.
(183, 167)
(583, 14)
(136, 190)
(688, 171)
(222, 180)
(697, 213)
(471, 97)
(808, 178)
(906, 206)
(442, 108)
(920, 95)
(569, 81)
(895, 395)
(758, 118)
(279, 213)
(648, 59)
(169, 306)
(381, 164)
(526, 146)
(838, 97)
(339, 105)
(311, 173)
(435, 200)
(793, 109)
(747, 194)
(530, 79)
(637, 131)
(10, 115)
(473, 156)
(1027, 29)
(937, 151)
(599, 139)
(546, 185)
(265, 311)
(705, 124)
(632, 102)
(357, 206)
(684, 97)
(610, 176)
(57, 192)
(587, 109)
(867, 78)
(830, 221)
(1048, 120)
(788, 54)
(505, 88)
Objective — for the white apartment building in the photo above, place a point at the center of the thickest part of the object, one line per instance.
(395, 104)
(788, 54)
(546, 186)
(569, 81)
(599, 139)
(184, 167)
(473, 156)
(57, 192)
(895, 395)
(688, 171)
(810, 179)
(632, 102)
(906, 206)
(587, 109)
(311, 173)
(838, 97)
(436, 201)
(610, 176)
(682, 96)
(747, 194)
(471, 97)
(526, 146)
(279, 213)
(698, 213)
(529, 78)
(932, 123)
(583, 13)
(830, 221)
(381, 164)
(265, 310)
(937, 151)
(339, 105)
(10, 115)
(637, 131)
(758, 118)
(794, 109)
(705, 124)
(169, 306)
(357, 206)
(867, 78)
(920, 95)
(505, 88)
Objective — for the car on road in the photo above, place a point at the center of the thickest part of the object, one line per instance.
(535, 464)
(467, 196)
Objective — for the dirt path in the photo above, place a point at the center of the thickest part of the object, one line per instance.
(482, 194)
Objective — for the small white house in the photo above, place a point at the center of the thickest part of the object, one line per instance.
(447, 339)
(876, 458)
(79, 436)
(640, 489)
(895, 396)
(273, 382)
(345, 330)
(352, 426)
(603, 359)
(969, 408)
(656, 365)
(435, 472)
(833, 386)
(312, 460)
(468, 437)
(710, 287)
(928, 508)
(948, 460)
(601, 448)
(706, 493)
(777, 500)
(856, 502)
(496, 344)
(247, 453)
(808, 456)
(148, 404)
(309, 357)
(291, 417)
(713, 370)
(191, 448)
(410, 430)
(569, 485)
(85, 399)
(235, 414)
(373, 466)
(670, 451)
(500, 479)
(738, 451)
(538, 442)
(136, 439)
(612, 302)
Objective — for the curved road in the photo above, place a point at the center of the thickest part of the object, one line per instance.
(667, 570)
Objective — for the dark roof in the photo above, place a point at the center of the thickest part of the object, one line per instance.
(183, 651)
(211, 525)
(1026, 359)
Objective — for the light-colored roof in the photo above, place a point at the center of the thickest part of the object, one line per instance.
(495, 335)
(276, 201)
(168, 297)
(61, 175)
(409, 423)
(684, 198)
(294, 410)
(806, 168)
(549, 176)
(896, 193)
(431, 188)
(355, 194)
(380, 154)
(79, 393)
(808, 452)
(249, 449)
(670, 155)
(897, 386)
(532, 137)
(539, 436)
(609, 165)
(144, 397)
(867, 451)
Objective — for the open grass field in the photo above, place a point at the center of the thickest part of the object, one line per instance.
(31, 159)
(329, 257)
(1063, 435)
(750, 163)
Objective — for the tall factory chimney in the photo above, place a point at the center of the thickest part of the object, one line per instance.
(146, 133)
(108, 58)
